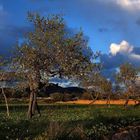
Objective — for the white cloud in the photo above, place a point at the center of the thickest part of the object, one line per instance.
(120, 54)
(126, 4)
(123, 48)
(114, 48)
(129, 4)
(135, 56)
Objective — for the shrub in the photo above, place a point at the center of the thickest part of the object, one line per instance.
(57, 96)
(61, 97)
(67, 97)
(86, 96)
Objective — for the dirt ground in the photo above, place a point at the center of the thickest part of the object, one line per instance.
(115, 102)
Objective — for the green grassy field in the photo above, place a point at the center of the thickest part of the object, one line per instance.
(66, 122)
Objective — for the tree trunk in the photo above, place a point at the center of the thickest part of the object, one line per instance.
(34, 80)
(6, 102)
(108, 101)
(35, 106)
(94, 99)
(126, 102)
(30, 114)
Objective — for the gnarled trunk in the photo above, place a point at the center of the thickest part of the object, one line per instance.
(33, 105)
(34, 86)
(30, 114)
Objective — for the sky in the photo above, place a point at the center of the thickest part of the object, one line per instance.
(112, 26)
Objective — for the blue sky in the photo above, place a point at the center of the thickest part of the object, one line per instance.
(112, 26)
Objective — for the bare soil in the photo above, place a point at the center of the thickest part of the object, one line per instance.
(102, 102)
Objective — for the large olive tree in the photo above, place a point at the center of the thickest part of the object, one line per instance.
(51, 50)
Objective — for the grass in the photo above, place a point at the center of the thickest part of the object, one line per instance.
(66, 122)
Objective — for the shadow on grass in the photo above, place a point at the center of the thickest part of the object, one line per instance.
(32, 128)
(103, 123)
(12, 130)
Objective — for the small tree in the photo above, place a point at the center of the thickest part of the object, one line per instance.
(91, 80)
(106, 87)
(3, 79)
(99, 86)
(48, 51)
(96, 83)
(137, 95)
(127, 77)
(118, 90)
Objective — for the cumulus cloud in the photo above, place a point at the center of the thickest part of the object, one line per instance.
(121, 53)
(124, 48)
(126, 4)
(129, 4)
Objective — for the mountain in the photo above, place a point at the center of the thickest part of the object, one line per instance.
(55, 88)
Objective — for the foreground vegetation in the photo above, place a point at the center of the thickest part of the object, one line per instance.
(66, 122)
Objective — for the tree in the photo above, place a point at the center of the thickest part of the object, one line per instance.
(48, 51)
(118, 90)
(137, 95)
(92, 83)
(106, 87)
(91, 79)
(96, 83)
(3, 78)
(136, 89)
(127, 77)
